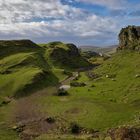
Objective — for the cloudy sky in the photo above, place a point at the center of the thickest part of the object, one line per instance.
(83, 22)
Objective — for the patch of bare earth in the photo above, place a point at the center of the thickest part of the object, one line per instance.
(73, 111)
(29, 121)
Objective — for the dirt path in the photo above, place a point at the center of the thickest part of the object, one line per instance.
(69, 79)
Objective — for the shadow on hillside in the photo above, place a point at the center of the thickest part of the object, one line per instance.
(40, 82)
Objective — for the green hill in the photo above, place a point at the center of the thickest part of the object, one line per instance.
(26, 67)
(22, 66)
(66, 56)
(111, 89)
(102, 103)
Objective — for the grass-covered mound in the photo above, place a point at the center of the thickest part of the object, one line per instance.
(63, 55)
(23, 68)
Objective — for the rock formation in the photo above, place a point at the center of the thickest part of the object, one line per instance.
(129, 38)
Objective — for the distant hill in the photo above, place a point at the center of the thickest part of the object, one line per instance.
(104, 50)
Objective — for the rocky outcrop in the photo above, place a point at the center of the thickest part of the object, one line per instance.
(129, 38)
(124, 133)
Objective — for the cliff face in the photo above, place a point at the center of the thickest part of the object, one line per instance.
(129, 38)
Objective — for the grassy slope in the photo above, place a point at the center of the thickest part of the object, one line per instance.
(6, 132)
(59, 55)
(110, 103)
(23, 66)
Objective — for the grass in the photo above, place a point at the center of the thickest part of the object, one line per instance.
(6, 132)
(64, 56)
(24, 69)
(12, 83)
(112, 102)
(59, 73)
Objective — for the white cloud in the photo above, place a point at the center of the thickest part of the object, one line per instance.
(21, 10)
(18, 21)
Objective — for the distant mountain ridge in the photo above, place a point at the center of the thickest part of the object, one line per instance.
(105, 50)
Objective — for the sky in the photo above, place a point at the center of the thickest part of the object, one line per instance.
(82, 22)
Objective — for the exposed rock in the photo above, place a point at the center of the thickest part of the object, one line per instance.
(50, 120)
(18, 128)
(91, 75)
(64, 87)
(77, 84)
(124, 133)
(62, 92)
(129, 38)
(137, 75)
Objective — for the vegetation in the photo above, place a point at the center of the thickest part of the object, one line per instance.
(103, 101)
(25, 67)
(20, 71)
(102, 106)
(65, 56)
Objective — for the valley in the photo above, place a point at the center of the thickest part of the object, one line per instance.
(101, 100)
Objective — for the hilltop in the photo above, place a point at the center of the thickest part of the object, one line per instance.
(65, 56)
